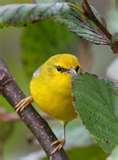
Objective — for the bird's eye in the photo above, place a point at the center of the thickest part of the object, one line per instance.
(77, 68)
(61, 69)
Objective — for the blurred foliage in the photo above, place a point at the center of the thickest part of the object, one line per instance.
(89, 153)
(45, 39)
(94, 102)
(23, 1)
(2, 2)
(86, 153)
(6, 129)
(116, 3)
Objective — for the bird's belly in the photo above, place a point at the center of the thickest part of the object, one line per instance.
(56, 104)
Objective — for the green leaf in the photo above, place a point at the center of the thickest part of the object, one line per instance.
(86, 23)
(24, 14)
(37, 48)
(94, 102)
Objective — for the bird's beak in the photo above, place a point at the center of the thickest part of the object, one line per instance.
(73, 73)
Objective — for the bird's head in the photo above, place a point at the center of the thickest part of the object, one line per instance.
(61, 64)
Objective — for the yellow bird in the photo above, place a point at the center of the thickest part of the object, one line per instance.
(51, 89)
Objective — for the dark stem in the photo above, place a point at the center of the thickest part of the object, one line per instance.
(90, 14)
(38, 126)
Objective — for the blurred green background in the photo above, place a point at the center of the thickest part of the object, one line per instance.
(25, 49)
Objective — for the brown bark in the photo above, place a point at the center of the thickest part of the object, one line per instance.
(38, 126)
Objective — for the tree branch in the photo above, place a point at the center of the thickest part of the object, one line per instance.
(38, 126)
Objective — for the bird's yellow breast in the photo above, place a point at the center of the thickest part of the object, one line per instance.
(54, 97)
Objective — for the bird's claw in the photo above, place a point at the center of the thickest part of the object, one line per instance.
(23, 104)
(58, 145)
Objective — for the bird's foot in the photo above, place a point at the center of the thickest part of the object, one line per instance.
(58, 144)
(23, 104)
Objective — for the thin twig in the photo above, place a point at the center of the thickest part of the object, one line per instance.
(29, 116)
(90, 14)
(8, 117)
